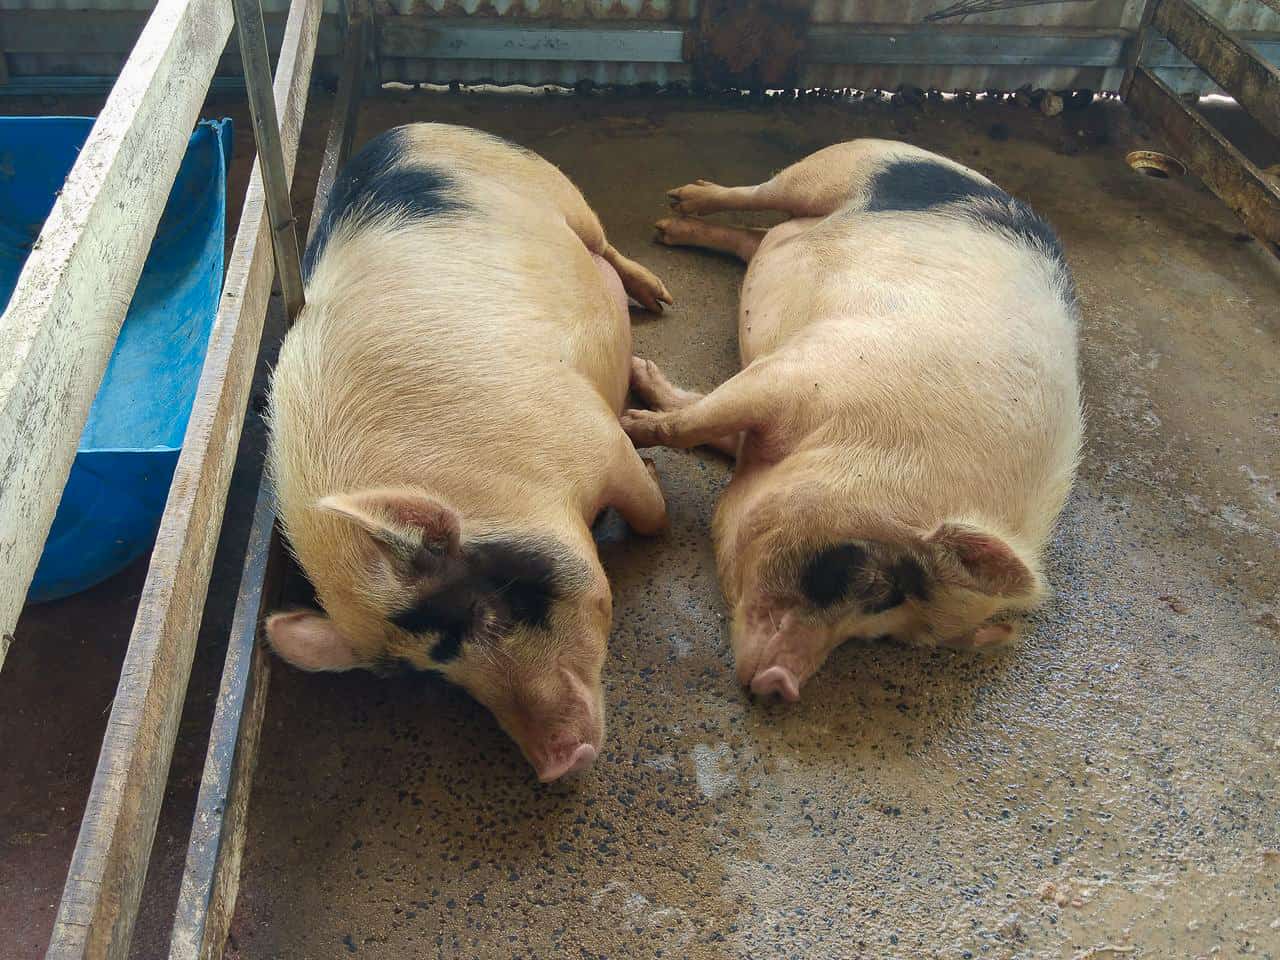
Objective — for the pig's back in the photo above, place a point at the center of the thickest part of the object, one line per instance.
(944, 321)
(456, 330)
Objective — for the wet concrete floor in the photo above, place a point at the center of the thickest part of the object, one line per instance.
(1106, 787)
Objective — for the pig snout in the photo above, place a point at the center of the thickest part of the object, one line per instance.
(777, 661)
(566, 757)
(779, 680)
(560, 733)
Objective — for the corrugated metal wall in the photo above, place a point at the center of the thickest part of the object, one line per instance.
(862, 44)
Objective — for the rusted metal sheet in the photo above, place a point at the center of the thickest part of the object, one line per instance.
(1254, 84)
(958, 77)
(431, 39)
(531, 72)
(642, 10)
(1210, 156)
(750, 43)
(1104, 14)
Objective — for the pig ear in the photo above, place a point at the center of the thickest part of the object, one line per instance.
(992, 565)
(415, 532)
(310, 642)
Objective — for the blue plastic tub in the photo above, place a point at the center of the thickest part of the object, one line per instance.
(116, 492)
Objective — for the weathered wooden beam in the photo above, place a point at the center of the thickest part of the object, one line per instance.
(62, 321)
(1210, 156)
(211, 876)
(109, 865)
(1254, 83)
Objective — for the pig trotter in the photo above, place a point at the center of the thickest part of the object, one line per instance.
(639, 281)
(701, 196)
(647, 428)
(655, 390)
(740, 242)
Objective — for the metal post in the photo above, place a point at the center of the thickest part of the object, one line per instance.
(252, 36)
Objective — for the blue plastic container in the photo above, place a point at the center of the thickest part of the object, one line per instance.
(116, 492)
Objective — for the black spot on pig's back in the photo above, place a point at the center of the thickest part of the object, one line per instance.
(919, 185)
(922, 184)
(380, 182)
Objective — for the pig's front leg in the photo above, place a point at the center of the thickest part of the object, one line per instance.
(658, 393)
(640, 282)
(750, 401)
(634, 492)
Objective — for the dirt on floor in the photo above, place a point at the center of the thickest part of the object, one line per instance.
(1105, 788)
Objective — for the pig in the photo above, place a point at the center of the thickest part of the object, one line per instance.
(443, 423)
(907, 422)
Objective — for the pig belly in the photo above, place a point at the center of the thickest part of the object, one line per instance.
(775, 292)
(612, 283)
(614, 386)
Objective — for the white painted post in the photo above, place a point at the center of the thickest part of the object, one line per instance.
(61, 324)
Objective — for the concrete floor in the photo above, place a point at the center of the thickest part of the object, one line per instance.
(1110, 781)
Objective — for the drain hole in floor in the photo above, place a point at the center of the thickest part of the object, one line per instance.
(1152, 163)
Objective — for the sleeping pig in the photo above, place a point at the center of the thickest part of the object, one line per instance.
(907, 420)
(444, 428)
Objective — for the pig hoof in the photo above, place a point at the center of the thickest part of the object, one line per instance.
(777, 680)
(645, 427)
(648, 382)
(677, 231)
(695, 197)
(648, 291)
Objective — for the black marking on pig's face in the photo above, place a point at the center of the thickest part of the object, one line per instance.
(503, 584)
(869, 575)
(915, 185)
(380, 182)
(522, 577)
(828, 575)
(449, 614)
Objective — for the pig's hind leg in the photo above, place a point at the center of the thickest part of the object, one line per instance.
(641, 283)
(816, 186)
(741, 242)
(658, 393)
(535, 178)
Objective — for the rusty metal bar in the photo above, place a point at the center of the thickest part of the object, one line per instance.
(1253, 83)
(1210, 156)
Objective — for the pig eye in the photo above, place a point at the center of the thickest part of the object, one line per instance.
(529, 602)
